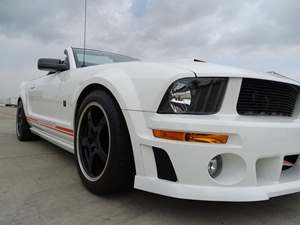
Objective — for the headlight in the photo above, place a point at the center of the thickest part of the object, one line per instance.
(180, 97)
(194, 96)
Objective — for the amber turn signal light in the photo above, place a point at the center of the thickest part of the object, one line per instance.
(192, 137)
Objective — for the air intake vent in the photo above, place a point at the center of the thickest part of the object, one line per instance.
(267, 98)
(164, 166)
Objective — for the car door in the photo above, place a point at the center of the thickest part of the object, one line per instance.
(46, 93)
(32, 97)
(47, 103)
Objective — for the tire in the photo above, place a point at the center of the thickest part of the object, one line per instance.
(22, 127)
(102, 145)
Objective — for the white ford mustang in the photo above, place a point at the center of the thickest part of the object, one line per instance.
(192, 130)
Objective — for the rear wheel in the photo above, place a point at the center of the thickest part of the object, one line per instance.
(22, 127)
(102, 145)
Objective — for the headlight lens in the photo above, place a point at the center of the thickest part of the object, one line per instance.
(194, 96)
(180, 97)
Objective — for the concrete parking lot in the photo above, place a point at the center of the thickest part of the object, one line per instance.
(39, 185)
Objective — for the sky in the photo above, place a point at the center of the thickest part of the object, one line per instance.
(261, 35)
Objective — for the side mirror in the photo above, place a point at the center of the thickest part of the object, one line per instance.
(52, 65)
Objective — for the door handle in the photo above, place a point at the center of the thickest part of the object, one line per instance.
(33, 87)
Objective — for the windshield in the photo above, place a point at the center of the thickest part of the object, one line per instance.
(95, 57)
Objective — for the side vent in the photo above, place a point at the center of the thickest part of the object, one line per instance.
(164, 166)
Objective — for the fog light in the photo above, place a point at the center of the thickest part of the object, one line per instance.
(215, 166)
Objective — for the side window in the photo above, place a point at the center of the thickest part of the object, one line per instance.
(95, 57)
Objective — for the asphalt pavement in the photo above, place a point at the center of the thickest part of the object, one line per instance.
(39, 185)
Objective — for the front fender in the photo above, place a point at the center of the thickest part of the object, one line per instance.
(115, 88)
(137, 89)
(23, 96)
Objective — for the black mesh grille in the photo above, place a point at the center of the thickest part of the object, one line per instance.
(267, 98)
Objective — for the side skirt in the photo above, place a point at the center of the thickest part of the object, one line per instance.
(67, 145)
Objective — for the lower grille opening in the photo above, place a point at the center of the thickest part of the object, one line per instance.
(290, 169)
(164, 166)
(289, 162)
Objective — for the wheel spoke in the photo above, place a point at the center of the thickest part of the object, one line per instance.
(92, 128)
(89, 123)
(89, 160)
(101, 153)
(101, 125)
(84, 143)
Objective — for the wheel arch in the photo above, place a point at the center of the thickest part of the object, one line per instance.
(85, 92)
(20, 99)
(94, 87)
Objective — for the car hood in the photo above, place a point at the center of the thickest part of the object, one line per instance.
(209, 69)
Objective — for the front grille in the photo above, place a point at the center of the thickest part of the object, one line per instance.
(267, 98)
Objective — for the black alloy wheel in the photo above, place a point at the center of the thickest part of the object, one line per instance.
(22, 127)
(102, 145)
(94, 141)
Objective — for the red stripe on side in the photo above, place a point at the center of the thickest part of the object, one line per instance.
(65, 129)
(60, 129)
(54, 128)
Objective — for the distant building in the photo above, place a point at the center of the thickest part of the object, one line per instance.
(8, 101)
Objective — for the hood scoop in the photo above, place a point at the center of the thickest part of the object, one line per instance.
(199, 60)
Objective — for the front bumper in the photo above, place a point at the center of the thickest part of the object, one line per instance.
(253, 156)
(215, 193)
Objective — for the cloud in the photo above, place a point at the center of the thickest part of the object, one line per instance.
(261, 35)
(42, 20)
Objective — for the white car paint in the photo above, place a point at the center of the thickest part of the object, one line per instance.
(254, 152)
